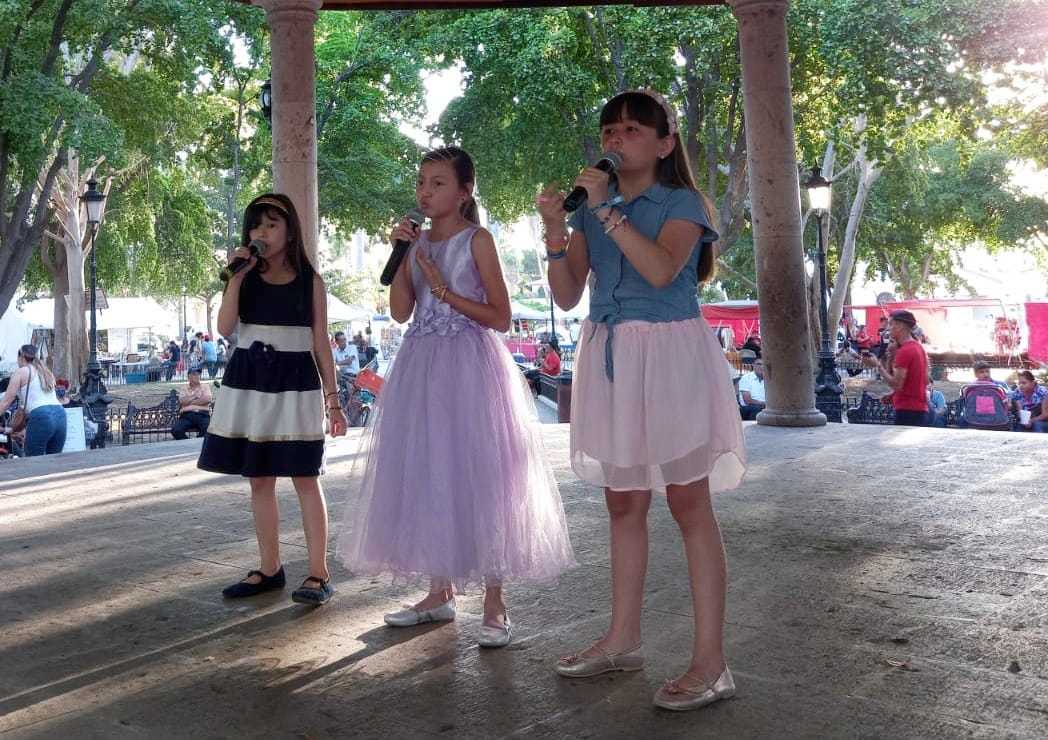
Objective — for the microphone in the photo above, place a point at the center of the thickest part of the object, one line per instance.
(400, 250)
(608, 162)
(257, 248)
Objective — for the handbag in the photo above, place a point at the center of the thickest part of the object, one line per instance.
(21, 418)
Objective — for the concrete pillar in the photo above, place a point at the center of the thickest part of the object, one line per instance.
(776, 214)
(291, 24)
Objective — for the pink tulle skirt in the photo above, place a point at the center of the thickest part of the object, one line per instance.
(669, 417)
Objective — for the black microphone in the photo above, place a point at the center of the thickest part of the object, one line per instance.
(400, 250)
(608, 162)
(257, 249)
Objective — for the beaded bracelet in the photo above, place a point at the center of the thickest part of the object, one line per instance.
(562, 242)
(607, 204)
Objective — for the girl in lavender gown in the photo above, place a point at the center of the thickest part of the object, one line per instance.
(455, 488)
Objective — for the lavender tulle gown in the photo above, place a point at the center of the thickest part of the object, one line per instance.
(454, 482)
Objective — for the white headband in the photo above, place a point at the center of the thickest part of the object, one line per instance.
(671, 117)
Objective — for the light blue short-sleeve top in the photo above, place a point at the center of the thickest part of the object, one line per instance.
(618, 292)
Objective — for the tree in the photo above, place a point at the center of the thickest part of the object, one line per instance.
(941, 194)
(366, 80)
(52, 54)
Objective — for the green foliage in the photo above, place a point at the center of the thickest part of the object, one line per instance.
(942, 193)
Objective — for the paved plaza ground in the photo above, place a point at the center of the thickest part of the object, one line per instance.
(883, 583)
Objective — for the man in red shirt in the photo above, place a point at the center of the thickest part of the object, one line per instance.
(908, 375)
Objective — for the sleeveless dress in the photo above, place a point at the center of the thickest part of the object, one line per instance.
(269, 411)
(453, 479)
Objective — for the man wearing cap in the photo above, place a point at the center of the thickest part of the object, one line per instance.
(194, 407)
(908, 375)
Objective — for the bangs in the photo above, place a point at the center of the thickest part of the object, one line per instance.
(253, 217)
(638, 107)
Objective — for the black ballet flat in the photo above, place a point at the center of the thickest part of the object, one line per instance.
(243, 589)
(314, 596)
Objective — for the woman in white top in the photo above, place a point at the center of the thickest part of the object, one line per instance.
(34, 386)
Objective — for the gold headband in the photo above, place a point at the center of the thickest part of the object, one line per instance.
(268, 201)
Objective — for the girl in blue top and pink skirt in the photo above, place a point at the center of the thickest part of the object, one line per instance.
(653, 407)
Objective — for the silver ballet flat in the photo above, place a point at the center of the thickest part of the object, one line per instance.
(680, 698)
(496, 637)
(577, 666)
(410, 617)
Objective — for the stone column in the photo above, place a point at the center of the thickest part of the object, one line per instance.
(291, 25)
(776, 214)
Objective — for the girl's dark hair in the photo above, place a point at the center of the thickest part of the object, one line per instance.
(673, 171)
(1028, 375)
(465, 173)
(277, 205)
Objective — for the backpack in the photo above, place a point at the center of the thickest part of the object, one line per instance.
(986, 407)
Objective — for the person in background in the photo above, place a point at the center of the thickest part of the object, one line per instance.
(347, 361)
(982, 375)
(1032, 398)
(936, 406)
(34, 386)
(194, 407)
(171, 359)
(752, 399)
(209, 353)
(906, 372)
(753, 343)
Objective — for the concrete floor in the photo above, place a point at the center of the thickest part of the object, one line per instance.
(883, 583)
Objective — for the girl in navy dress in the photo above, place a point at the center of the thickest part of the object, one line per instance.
(268, 420)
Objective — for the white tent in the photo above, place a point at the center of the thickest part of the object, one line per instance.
(123, 313)
(15, 330)
(339, 311)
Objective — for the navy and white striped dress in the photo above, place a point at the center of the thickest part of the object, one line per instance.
(269, 412)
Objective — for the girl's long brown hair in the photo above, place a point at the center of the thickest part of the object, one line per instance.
(673, 171)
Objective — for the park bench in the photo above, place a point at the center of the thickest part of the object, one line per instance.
(151, 420)
(870, 410)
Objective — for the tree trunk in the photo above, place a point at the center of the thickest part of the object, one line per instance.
(61, 361)
(867, 176)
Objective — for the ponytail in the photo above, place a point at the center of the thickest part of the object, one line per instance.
(47, 379)
(470, 212)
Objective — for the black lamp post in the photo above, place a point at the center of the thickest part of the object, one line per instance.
(93, 392)
(828, 388)
(265, 100)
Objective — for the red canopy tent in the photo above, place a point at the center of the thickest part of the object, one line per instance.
(1037, 328)
(743, 317)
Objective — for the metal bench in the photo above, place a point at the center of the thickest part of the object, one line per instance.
(152, 420)
(870, 410)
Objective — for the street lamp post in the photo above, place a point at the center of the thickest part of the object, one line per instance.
(93, 392)
(828, 388)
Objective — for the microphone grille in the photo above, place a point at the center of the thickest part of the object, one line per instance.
(257, 246)
(416, 217)
(612, 158)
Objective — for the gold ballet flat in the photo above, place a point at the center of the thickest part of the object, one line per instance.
(577, 666)
(683, 698)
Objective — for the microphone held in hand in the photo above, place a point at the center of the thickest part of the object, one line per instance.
(400, 250)
(257, 249)
(608, 162)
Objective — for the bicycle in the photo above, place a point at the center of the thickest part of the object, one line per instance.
(356, 394)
